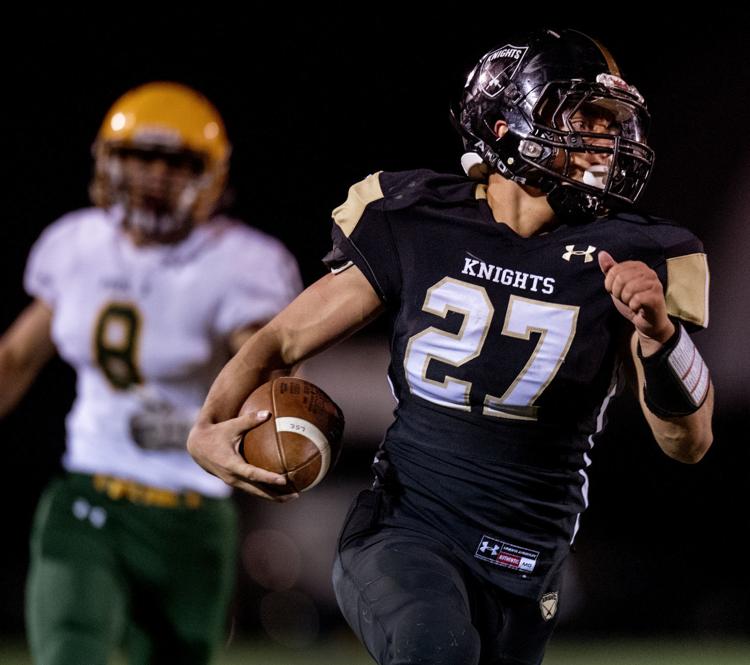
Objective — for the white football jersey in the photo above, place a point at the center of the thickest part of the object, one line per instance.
(146, 329)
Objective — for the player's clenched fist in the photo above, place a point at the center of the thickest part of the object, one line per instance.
(638, 295)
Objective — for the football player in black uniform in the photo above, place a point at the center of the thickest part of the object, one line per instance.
(520, 299)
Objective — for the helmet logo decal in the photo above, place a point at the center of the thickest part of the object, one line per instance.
(499, 68)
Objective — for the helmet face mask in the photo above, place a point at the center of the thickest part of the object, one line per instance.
(572, 123)
(154, 190)
(161, 161)
(596, 139)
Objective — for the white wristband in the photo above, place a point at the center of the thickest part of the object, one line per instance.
(689, 367)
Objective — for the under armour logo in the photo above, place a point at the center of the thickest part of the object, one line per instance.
(588, 254)
(485, 547)
(548, 605)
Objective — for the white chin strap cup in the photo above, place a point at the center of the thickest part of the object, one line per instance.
(473, 165)
(596, 176)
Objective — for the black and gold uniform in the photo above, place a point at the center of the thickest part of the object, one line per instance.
(505, 352)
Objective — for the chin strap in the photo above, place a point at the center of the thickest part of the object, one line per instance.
(572, 206)
(155, 225)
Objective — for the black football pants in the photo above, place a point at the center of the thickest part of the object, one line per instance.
(409, 600)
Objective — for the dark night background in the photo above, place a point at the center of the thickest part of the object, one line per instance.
(314, 103)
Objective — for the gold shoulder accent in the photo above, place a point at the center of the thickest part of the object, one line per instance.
(348, 214)
(687, 288)
(480, 191)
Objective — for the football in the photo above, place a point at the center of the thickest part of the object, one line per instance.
(301, 439)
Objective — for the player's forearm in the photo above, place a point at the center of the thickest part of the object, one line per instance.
(15, 380)
(684, 438)
(678, 405)
(255, 363)
(24, 349)
(328, 311)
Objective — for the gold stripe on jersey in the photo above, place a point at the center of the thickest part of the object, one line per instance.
(361, 194)
(687, 288)
(480, 191)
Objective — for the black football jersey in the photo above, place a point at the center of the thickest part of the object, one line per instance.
(504, 355)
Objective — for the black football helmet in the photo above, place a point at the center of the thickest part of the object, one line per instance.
(562, 97)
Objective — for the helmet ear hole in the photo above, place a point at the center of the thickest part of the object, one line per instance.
(500, 128)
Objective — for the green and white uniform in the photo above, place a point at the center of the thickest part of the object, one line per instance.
(137, 538)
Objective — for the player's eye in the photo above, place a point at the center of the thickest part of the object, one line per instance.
(594, 125)
(180, 160)
(578, 125)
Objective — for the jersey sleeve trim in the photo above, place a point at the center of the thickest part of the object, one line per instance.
(361, 194)
(480, 192)
(687, 288)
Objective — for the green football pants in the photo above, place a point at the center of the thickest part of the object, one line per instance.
(112, 571)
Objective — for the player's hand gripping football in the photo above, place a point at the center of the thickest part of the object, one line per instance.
(215, 448)
(639, 296)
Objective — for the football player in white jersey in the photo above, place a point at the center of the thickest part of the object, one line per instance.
(146, 295)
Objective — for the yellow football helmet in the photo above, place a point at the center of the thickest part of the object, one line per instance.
(167, 121)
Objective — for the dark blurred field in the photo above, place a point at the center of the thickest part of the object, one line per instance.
(346, 652)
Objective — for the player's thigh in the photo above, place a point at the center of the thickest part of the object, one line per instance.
(515, 631)
(181, 615)
(76, 598)
(406, 600)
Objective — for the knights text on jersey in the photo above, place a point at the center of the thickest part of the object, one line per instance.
(146, 330)
(504, 356)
